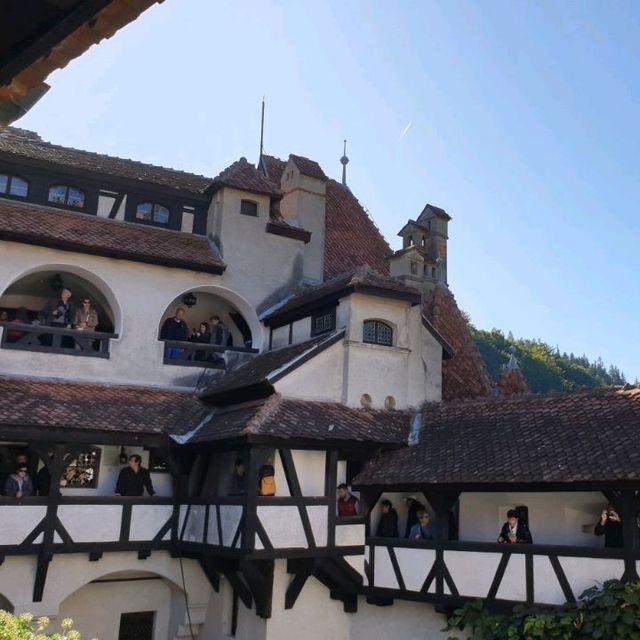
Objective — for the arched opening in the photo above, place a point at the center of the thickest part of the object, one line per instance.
(37, 314)
(199, 325)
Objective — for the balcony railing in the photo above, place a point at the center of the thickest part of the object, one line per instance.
(76, 342)
(196, 354)
(453, 572)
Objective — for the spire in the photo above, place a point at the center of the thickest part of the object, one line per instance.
(262, 168)
(512, 380)
(344, 161)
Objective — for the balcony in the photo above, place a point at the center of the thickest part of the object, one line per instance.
(41, 338)
(195, 354)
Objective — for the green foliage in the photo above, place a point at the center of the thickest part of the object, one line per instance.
(544, 367)
(607, 613)
(24, 627)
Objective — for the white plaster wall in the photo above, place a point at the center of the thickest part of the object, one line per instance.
(310, 467)
(301, 330)
(554, 518)
(283, 526)
(96, 608)
(148, 519)
(91, 523)
(280, 337)
(349, 535)
(317, 379)
(136, 356)
(19, 521)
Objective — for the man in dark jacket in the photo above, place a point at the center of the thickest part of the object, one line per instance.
(513, 531)
(134, 479)
(388, 525)
(59, 313)
(610, 526)
(175, 329)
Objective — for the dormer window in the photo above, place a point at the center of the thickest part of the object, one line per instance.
(249, 208)
(67, 196)
(323, 321)
(13, 186)
(377, 332)
(152, 212)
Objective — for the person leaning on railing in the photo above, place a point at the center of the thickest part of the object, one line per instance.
(610, 526)
(514, 531)
(134, 479)
(86, 317)
(18, 485)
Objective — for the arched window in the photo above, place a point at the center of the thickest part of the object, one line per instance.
(152, 212)
(377, 332)
(13, 186)
(66, 195)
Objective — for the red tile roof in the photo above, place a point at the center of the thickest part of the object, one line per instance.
(20, 143)
(48, 227)
(26, 402)
(277, 417)
(464, 375)
(588, 437)
(308, 167)
(243, 175)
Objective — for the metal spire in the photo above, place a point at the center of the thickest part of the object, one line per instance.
(261, 165)
(344, 161)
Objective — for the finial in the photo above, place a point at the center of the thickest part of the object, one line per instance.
(261, 165)
(344, 161)
(513, 361)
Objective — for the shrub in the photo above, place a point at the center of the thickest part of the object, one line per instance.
(23, 627)
(606, 612)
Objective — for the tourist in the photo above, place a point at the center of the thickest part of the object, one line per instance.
(22, 317)
(236, 480)
(203, 336)
(267, 479)
(347, 503)
(413, 505)
(610, 526)
(220, 335)
(514, 531)
(388, 525)
(175, 328)
(86, 318)
(60, 312)
(423, 529)
(18, 485)
(4, 316)
(134, 479)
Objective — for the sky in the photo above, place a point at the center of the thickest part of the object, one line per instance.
(521, 119)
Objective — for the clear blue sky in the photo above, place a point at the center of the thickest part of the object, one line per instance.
(525, 127)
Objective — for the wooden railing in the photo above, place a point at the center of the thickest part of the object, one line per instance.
(75, 342)
(197, 354)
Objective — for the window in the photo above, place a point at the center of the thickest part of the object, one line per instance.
(414, 268)
(136, 626)
(152, 212)
(376, 332)
(323, 322)
(249, 208)
(82, 472)
(68, 196)
(13, 186)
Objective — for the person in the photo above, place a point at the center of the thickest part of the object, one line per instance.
(4, 316)
(514, 531)
(175, 329)
(347, 503)
(610, 526)
(134, 479)
(59, 313)
(236, 480)
(220, 335)
(22, 317)
(203, 336)
(388, 525)
(423, 529)
(18, 485)
(86, 317)
(413, 506)
(43, 481)
(267, 479)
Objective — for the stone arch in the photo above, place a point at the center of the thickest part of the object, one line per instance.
(32, 287)
(216, 300)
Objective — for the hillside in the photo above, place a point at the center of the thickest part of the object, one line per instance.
(545, 368)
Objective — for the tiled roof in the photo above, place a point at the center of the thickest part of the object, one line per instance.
(308, 167)
(243, 175)
(351, 237)
(464, 375)
(94, 407)
(277, 417)
(589, 437)
(48, 227)
(264, 369)
(362, 279)
(27, 144)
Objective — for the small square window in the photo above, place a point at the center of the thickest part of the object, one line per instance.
(19, 187)
(160, 214)
(249, 208)
(75, 198)
(4, 183)
(323, 322)
(58, 194)
(144, 211)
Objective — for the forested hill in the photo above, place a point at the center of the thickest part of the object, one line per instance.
(545, 368)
